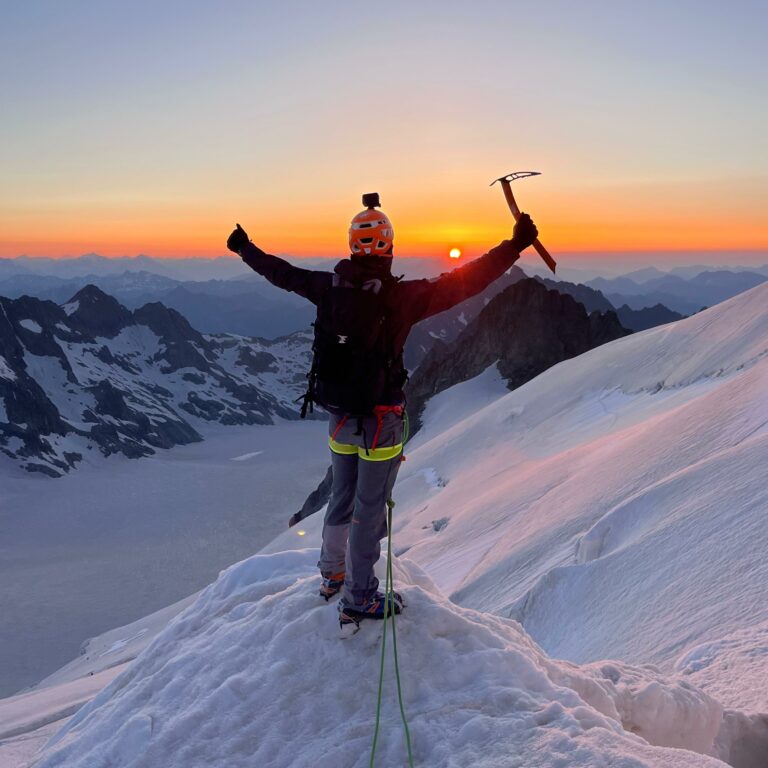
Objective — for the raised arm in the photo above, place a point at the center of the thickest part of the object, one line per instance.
(430, 297)
(306, 282)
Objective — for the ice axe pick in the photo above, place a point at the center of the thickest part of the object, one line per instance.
(506, 185)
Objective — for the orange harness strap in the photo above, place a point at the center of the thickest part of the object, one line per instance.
(338, 427)
(379, 412)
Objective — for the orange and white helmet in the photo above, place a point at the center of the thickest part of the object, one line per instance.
(371, 234)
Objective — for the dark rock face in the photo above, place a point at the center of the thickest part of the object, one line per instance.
(592, 299)
(96, 313)
(184, 347)
(256, 362)
(525, 329)
(317, 498)
(88, 374)
(632, 319)
(448, 325)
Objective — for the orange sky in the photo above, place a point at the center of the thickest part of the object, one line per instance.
(706, 215)
(151, 128)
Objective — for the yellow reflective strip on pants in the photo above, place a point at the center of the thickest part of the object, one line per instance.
(380, 454)
(343, 448)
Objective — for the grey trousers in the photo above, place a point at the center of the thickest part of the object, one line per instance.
(365, 466)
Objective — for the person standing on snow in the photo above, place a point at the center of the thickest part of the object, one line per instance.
(364, 316)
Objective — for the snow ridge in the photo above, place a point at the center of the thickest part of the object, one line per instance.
(261, 647)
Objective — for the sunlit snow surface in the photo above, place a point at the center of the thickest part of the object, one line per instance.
(252, 672)
(615, 504)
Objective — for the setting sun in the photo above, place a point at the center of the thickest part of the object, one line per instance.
(455, 253)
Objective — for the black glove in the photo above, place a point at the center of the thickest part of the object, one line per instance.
(524, 233)
(294, 519)
(238, 240)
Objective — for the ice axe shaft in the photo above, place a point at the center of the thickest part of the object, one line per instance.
(506, 185)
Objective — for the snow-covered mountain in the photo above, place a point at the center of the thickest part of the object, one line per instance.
(613, 507)
(92, 374)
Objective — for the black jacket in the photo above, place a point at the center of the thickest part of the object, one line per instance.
(411, 300)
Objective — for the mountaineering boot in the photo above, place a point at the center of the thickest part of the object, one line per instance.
(350, 615)
(332, 584)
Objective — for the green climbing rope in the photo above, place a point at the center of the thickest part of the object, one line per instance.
(390, 583)
(389, 601)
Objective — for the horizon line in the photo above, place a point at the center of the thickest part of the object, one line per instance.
(441, 257)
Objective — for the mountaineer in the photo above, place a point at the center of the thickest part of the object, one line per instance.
(364, 315)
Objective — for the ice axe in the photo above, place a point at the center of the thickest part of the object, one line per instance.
(506, 185)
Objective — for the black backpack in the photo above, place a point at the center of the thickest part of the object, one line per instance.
(353, 364)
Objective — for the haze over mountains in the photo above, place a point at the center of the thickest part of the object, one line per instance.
(222, 295)
(682, 294)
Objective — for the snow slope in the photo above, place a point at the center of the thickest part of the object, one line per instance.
(631, 476)
(28, 720)
(254, 673)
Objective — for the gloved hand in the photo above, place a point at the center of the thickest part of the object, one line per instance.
(239, 239)
(524, 233)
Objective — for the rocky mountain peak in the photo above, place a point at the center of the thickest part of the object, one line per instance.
(526, 328)
(167, 323)
(96, 312)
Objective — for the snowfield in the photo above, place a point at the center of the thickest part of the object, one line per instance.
(584, 565)
(120, 538)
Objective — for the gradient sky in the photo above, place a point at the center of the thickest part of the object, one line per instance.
(151, 127)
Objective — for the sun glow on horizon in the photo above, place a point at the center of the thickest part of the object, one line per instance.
(454, 253)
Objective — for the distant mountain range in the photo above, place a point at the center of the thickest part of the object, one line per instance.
(91, 373)
(183, 269)
(609, 266)
(682, 294)
(248, 305)
(222, 295)
(231, 299)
